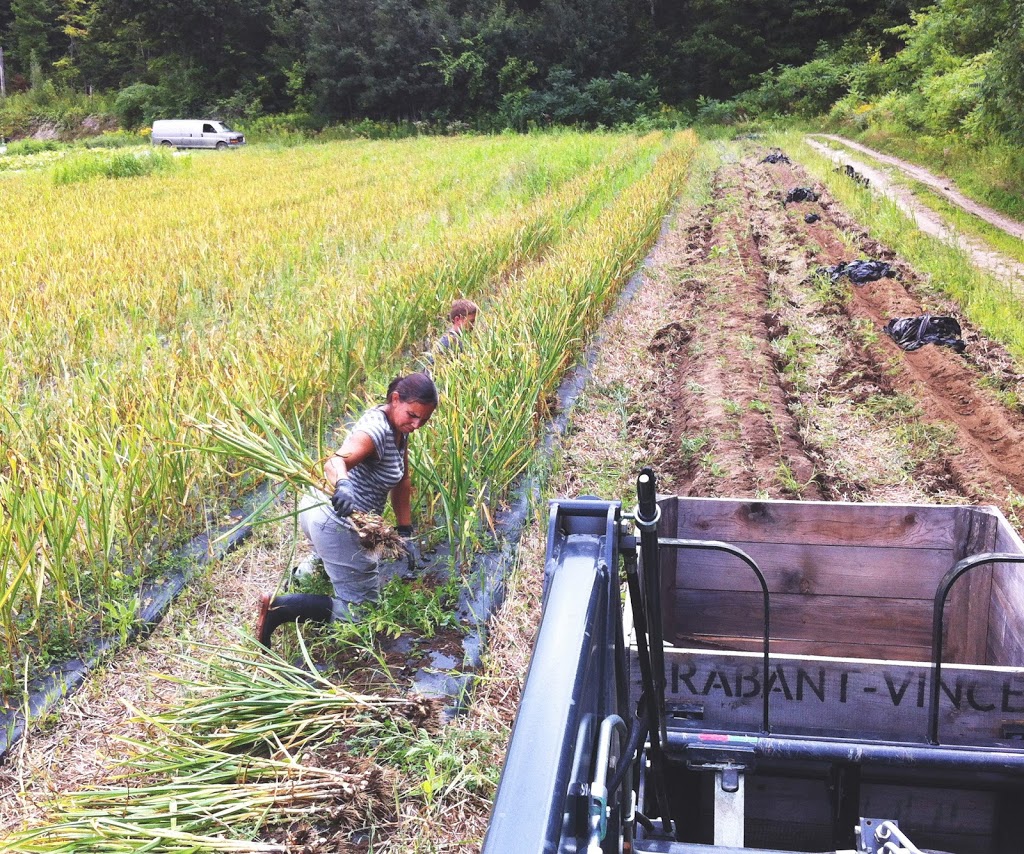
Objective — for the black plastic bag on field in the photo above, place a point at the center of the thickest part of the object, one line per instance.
(776, 157)
(801, 194)
(850, 172)
(811, 217)
(913, 332)
(859, 272)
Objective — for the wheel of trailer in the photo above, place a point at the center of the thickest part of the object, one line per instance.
(221, 145)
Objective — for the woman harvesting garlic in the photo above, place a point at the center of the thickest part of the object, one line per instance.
(371, 465)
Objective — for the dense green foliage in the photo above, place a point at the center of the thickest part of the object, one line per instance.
(491, 63)
(960, 72)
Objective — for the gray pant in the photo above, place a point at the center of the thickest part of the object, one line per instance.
(352, 571)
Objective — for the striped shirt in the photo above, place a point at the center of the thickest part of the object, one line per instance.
(369, 483)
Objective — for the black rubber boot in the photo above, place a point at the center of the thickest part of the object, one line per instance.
(288, 609)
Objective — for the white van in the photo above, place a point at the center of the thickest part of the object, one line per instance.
(195, 133)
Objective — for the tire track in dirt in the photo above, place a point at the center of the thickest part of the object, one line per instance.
(778, 382)
(943, 186)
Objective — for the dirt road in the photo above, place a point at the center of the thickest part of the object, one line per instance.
(941, 185)
(927, 220)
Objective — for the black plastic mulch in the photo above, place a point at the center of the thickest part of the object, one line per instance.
(853, 174)
(910, 333)
(800, 194)
(860, 272)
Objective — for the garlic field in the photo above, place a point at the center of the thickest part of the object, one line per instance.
(300, 279)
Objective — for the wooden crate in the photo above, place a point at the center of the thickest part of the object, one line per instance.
(852, 589)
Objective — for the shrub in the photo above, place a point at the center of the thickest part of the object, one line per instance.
(90, 165)
(806, 90)
(282, 127)
(34, 146)
(714, 112)
(876, 77)
(138, 104)
(1005, 81)
(851, 111)
(370, 129)
(115, 139)
(23, 113)
(948, 100)
(599, 102)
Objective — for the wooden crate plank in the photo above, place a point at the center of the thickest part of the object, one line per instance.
(817, 522)
(845, 619)
(1006, 614)
(1007, 539)
(814, 569)
(776, 804)
(854, 698)
(1005, 644)
(926, 813)
(887, 652)
(668, 566)
(965, 629)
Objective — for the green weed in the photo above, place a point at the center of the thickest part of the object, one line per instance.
(88, 166)
(712, 466)
(690, 447)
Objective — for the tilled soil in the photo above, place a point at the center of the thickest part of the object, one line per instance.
(777, 382)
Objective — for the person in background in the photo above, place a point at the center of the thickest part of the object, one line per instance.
(462, 318)
(371, 465)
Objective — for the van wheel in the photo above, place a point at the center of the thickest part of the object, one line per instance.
(222, 144)
(166, 143)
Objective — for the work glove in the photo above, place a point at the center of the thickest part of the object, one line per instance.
(341, 502)
(412, 551)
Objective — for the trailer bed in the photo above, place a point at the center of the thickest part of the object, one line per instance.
(785, 677)
(851, 591)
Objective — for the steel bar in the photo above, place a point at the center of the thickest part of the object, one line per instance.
(958, 569)
(715, 545)
(901, 754)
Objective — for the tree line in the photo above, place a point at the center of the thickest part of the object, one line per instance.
(508, 62)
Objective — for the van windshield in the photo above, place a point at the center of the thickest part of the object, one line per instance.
(222, 128)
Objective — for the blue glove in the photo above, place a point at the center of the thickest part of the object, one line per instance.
(341, 502)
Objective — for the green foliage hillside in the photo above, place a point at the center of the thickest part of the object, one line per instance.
(485, 63)
(950, 97)
(939, 82)
(960, 71)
